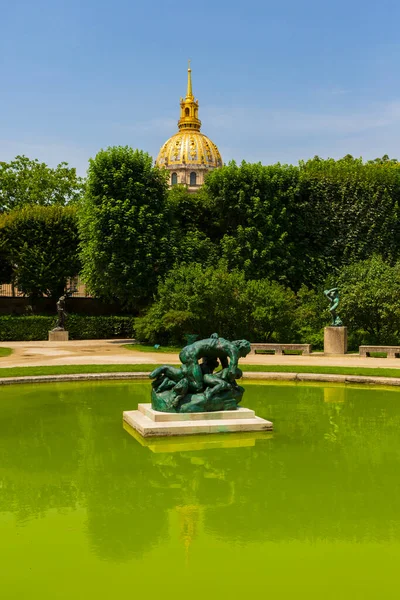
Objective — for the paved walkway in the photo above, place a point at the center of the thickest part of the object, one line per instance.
(101, 352)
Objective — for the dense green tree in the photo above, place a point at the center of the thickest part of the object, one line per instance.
(250, 208)
(190, 218)
(300, 224)
(25, 181)
(370, 292)
(347, 211)
(124, 226)
(42, 247)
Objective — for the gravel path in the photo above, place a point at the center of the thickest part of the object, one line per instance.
(98, 352)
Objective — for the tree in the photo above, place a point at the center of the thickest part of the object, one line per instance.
(25, 181)
(347, 211)
(250, 206)
(190, 218)
(370, 292)
(42, 247)
(124, 226)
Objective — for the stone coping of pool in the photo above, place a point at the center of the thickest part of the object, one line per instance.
(268, 376)
(152, 423)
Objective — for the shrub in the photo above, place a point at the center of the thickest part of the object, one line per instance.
(199, 300)
(80, 327)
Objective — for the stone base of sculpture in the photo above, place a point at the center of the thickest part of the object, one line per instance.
(185, 443)
(335, 340)
(58, 335)
(152, 423)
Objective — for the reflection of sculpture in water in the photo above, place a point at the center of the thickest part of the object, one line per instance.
(333, 297)
(194, 387)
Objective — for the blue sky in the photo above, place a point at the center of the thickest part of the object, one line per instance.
(276, 81)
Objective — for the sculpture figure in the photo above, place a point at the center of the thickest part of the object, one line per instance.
(194, 387)
(61, 314)
(333, 297)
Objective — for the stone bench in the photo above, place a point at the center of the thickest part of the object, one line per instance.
(391, 351)
(280, 348)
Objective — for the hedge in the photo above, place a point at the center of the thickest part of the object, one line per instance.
(80, 327)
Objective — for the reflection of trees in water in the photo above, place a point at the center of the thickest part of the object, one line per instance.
(63, 450)
(38, 457)
(310, 488)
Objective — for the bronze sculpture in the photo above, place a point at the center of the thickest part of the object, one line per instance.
(194, 387)
(61, 314)
(333, 297)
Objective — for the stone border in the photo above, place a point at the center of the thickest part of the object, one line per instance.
(262, 375)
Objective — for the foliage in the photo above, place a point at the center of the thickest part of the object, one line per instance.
(250, 218)
(80, 327)
(370, 292)
(197, 300)
(347, 211)
(311, 316)
(298, 225)
(201, 300)
(42, 246)
(25, 181)
(124, 226)
(190, 219)
(270, 310)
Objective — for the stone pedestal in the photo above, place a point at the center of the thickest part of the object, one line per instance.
(59, 335)
(335, 340)
(149, 422)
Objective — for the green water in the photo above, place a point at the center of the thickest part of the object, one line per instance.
(310, 511)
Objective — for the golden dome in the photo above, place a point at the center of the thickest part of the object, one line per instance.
(189, 149)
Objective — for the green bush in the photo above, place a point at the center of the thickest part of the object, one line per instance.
(80, 327)
(198, 300)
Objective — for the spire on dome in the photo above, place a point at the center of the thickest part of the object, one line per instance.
(189, 108)
(189, 93)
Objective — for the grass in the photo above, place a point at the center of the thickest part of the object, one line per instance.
(5, 351)
(73, 369)
(285, 352)
(146, 348)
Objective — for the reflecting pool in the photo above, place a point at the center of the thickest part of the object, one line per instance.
(310, 511)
